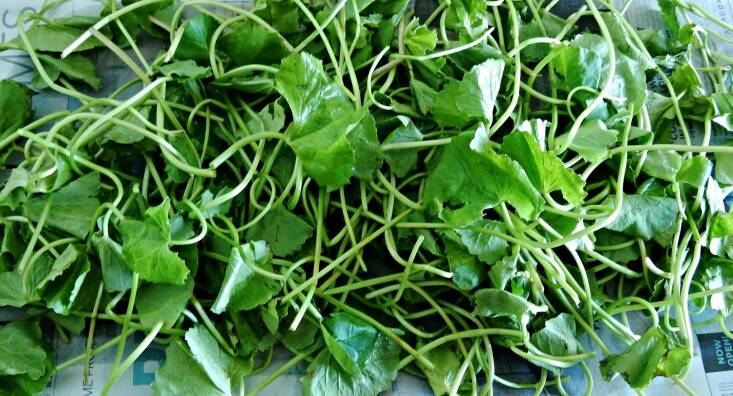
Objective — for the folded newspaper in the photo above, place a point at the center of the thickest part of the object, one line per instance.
(712, 367)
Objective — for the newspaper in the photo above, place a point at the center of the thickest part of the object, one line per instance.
(711, 373)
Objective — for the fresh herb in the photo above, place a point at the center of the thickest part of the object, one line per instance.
(374, 190)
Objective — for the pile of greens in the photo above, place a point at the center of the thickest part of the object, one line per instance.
(374, 191)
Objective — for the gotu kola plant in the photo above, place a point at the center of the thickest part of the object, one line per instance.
(375, 191)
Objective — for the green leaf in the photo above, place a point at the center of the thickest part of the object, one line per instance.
(270, 315)
(243, 288)
(73, 323)
(387, 7)
(37, 276)
(469, 18)
(578, 67)
(322, 120)
(13, 242)
(249, 42)
(606, 237)
(446, 366)
(300, 338)
(685, 79)
(146, 247)
(185, 146)
(283, 231)
(365, 145)
(503, 271)
(591, 141)
(558, 337)
(68, 256)
(424, 95)
(11, 290)
(122, 135)
(623, 42)
(75, 67)
(724, 166)
(181, 375)
(693, 96)
(467, 271)
(429, 242)
(723, 106)
(187, 70)
(464, 176)
(15, 106)
(402, 162)
(325, 377)
(488, 248)
(181, 228)
(165, 303)
(717, 272)
(24, 385)
(722, 225)
(20, 347)
(283, 15)
(115, 271)
(72, 208)
(420, 39)
(14, 193)
(139, 19)
(472, 98)
(221, 209)
(669, 14)
(306, 87)
(470, 57)
(645, 359)
(629, 81)
(196, 37)
(252, 333)
(646, 217)
(544, 169)
(272, 117)
(224, 370)
(629, 84)
(548, 25)
(694, 171)
(350, 341)
(495, 303)
(56, 36)
(62, 292)
(662, 164)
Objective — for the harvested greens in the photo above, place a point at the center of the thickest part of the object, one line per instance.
(374, 191)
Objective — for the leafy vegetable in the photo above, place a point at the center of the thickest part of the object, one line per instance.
(325, 376)
(146, 249)
(181, 375)
(165, 303)
(22, 350)
(472, 98)
(75, 67)
(242, 287)
(196, 37)
(349, 340)
(283, 231)
(646, 217)
(645, 359)
(74, 206)
(558, 337)
(327, 132)
(249, 43)
(15, 106)
(464, 176)
(373, 189)
(222, 369)
(546, 172)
